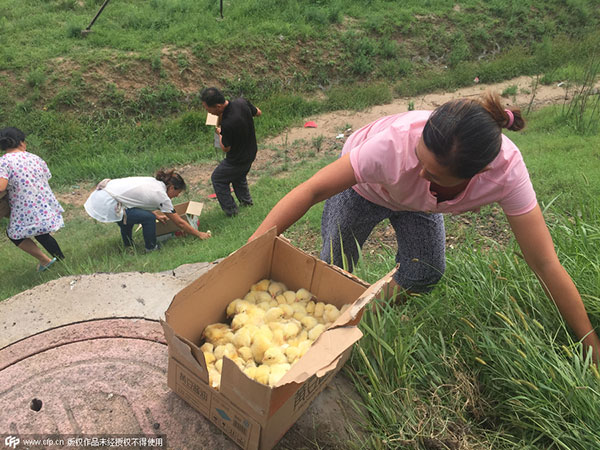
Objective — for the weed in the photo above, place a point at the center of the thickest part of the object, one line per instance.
(36, 78)
(317, 143)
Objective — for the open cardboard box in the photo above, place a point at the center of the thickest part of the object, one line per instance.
(253, 415)
(189, 211)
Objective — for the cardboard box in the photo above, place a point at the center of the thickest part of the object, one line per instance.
(4, 206)
(189, 211)
(253, 415)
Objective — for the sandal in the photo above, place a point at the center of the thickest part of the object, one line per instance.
(41, 267)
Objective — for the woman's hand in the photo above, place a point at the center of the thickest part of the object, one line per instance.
(184, 226)
(160, 216)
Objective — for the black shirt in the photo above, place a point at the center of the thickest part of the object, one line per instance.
(237, 131)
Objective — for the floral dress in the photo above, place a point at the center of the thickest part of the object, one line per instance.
(34, 209)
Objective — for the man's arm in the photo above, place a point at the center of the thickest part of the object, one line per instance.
(225, 149)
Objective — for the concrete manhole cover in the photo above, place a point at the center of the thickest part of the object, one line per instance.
(101, 379)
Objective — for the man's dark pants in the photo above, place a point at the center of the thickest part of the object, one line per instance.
(226, 174)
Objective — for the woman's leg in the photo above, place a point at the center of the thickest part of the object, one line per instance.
(28, 246)
(51, 246)
(421, 249)
(148, 221)
(347, 221)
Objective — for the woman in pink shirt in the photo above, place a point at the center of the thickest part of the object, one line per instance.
(412, 167)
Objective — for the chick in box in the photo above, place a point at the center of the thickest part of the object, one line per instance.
(271, 328)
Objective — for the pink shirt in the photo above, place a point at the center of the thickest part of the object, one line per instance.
(383, 157)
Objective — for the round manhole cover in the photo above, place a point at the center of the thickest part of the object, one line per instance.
(102, 379)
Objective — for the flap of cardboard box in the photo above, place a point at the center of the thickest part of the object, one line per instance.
(323, 355)
(182, 352)
(192, 208)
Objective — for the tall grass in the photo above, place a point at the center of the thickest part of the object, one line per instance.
(485, 357)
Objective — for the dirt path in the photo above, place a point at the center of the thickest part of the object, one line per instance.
(330, 127)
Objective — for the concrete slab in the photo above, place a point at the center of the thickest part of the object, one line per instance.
(86, 356)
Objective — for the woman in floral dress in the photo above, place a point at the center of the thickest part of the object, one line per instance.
(35, 212)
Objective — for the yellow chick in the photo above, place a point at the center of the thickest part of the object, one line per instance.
(319, 308)
(260, 344)
(303, 295)
(299, 310)
(302, 336)
(310, 307)
(219, 365)
(288, 311)
(262, 285)
(209, 358)
(277, 372)
(250, 297)
(214, 378)
(274, 314)
(264, 305)
(217, 332)
(304, 346)
(309, 322)
(330, 313)
(291, 329)
(262, 374)
(228, 350)
(207, 347)
(276, 288)
(231, 308)
(281, 299)
(290, 297)
(292, 354)
(264, 328)
(250, 372)
(250, 363)
(316, 331)
(246, 354)
(243, 337)
(274, 355)
(256, 315)
(263, 297)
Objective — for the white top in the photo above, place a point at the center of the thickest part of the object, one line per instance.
(108, 204)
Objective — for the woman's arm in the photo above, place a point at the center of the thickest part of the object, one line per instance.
(536, 244)
(330, 180)
(185, 226)
(3, 184)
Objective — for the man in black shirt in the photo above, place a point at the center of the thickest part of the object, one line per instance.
(237, 139)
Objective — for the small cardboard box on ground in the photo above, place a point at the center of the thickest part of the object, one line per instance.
(253, 415)
(189, 211)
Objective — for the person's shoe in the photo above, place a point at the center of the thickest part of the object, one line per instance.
(231, 213)
(244, 204)
(150, 250)
(41, 267)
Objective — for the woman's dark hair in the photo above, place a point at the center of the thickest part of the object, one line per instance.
(11, 137)
(466, 135)
(212, 96)
(171, 178)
